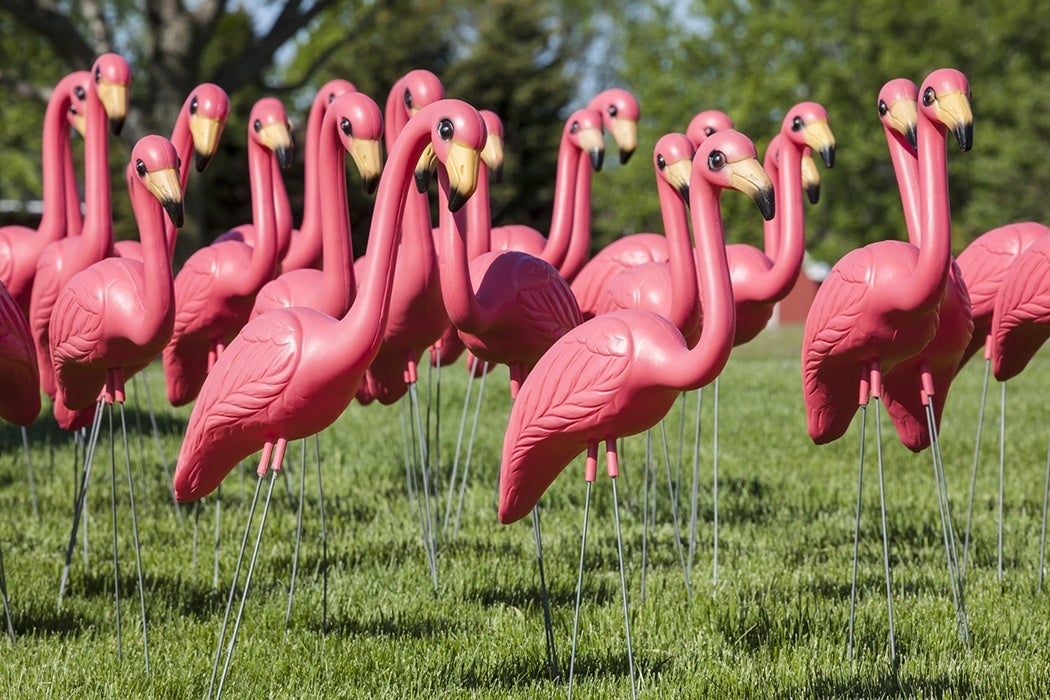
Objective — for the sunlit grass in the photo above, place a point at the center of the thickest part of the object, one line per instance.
(775, 625)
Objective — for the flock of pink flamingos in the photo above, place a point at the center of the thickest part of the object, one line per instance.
(272, 330)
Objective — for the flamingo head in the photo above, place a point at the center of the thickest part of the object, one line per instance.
(269, 126)
(112, 77)
(421, 88)
(806, 124)
(359, 124)
(331, 90)
(728, 160)
(154, 165)
(583, 129)
(672, 159)
(620, 113)
(78, 83)
(492, 154)
(810, 176)
(944, 98)
(457, 138)
(208, 107)
(899, 109)
(706, 123)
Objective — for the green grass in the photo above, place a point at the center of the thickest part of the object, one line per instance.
(775, 625)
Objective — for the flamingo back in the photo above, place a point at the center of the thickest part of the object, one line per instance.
(20, 399)
(1021, 320)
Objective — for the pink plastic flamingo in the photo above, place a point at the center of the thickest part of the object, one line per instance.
(353, 122)
(620, 373)
(216, 288)
(305, 249)
(196, 135)
(20, 400)
(280, 378)
(416, 318)
(879, 305)
(21, 246)
(107, 95)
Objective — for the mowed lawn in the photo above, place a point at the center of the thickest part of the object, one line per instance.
(774, 625)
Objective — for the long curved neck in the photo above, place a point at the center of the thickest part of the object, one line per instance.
(685, 294)
(282, 210)
(98, 222)
(559, 237)
(775, 284)
(182, 139)
(74, 213)
(707, 359)
(580, 245)
(457, 290)
(338, 285)
(56, 166)
(771, 227)
(263, 264)
(932, 272)
(906, 168)
(310, 231)
(159, 302)
(479, 216)
(365, 324)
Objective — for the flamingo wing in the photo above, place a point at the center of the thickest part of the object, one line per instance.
(20, 400)
(1021, 320)
(240, 403)
(75, 337)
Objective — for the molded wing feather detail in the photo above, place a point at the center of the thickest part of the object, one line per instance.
(20, 399)
(1021, 321)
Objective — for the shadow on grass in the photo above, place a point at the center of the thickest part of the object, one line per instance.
(885, 684)
(524, 671)
(522, 595)
(400, 625)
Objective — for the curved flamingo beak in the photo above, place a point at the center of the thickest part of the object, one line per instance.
(367, 155)
(821, 140)
(677, 176)
(492, 156)
(206, 133)
(164, 185)
(425, 168)
(748, 176)
(278, 138)
(461, 163)
(114, 97)
(903, 116)
(955, 111)
(810, 178)
(592, 142)
(625, 133)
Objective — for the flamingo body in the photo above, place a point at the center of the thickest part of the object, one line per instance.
(20, 399)
(1021, 320)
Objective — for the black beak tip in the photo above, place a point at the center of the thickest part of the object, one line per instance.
(828, 156)
(175, 211)
(371, 184)
(422, 178)
(813, 193)
(625, 155)
(913, 137)
(284, 157)
(683, 190)
(597, 158)
(201, 160)
(455, 200)
(964, 135)
(116, 125)
(766, 203)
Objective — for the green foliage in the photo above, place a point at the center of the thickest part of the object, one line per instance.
(755, 59)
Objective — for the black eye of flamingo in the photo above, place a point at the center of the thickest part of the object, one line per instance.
(660, 162)
(140, 168)
(346, 127)
(929, 96)
(446, 130)
(408, 98)
(193, 106)
(883, 108)
(716, 161)
(613, 111)
(797, 124)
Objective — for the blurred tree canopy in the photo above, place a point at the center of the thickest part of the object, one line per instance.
(533, 62)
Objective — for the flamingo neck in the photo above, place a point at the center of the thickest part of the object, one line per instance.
(56, 153)
(906, 169)
(263, 265)
(98, 222)
(934, 252)
(685, 294)
(559, 237)
(771, 227)
(310, 230)
(778, 281)
(365, 324)
(580, 246)
(282, 210)
(479, 217)
(457, 289)
(706, 360)
(338, 286)
(159, 302)
(182, 139)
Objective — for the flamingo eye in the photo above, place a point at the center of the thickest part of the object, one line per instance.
(708, 130)
(79, 92)
(140, 168)
(612, 110)
(98, 74)
(408, 98)
(331, 97)
(574, 128)
(257, 125)
(716, 161)
(346, 127)
(883, 108)
(193, 106)
(929, 96)
(660, 162)
(446, 130)
(796, 124)
(72, 109)
(178, 163)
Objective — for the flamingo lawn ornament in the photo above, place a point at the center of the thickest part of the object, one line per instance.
(20, 399)
(107, 95)
(879, 305)
(291, 372)
(984, 265)
(216, 287)
(196, 135)
(111, 320)
(21, 246)
(355, 124)
(305, 247)
(619, 374)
